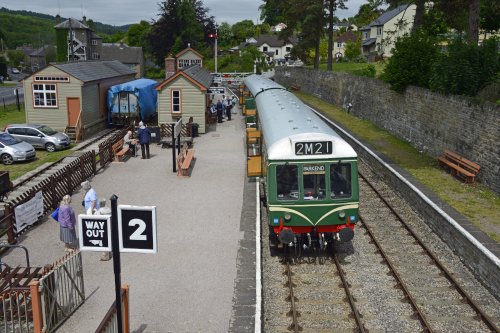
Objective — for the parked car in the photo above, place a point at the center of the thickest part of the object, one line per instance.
(14, 150)
(15, 71)
(40, 136)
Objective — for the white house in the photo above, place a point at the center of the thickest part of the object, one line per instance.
(275, 49)
(340, 43)
(278, 27)
(379, 37)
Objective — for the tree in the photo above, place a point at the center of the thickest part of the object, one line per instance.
(243, 30)
(353, 50)
(137, 33)
(225, 35)
(332, 6)
(412, 61)
(16, 57)
(271, 12)
(490, 15)
(473, 27)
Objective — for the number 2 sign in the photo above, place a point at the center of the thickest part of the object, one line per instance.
(137, 228)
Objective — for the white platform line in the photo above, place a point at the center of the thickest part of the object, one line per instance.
(258, 268)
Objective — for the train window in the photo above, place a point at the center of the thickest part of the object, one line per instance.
(340, 180)
(287, 185)
(314, 181)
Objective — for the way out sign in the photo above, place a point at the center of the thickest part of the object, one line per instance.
(94, 232)
(137, 228)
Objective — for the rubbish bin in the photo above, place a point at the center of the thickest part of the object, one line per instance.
(194, 129)
(155, 134)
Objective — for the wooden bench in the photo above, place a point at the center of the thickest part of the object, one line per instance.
(119, 150)
(459, 166)
(184, 161)
(295, 87)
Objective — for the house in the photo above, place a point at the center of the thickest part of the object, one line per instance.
(379, 37)
(274, 48)
(344, 25)
(38, 58)
(183, 94)
(278, 27)
(82, 43)
(340, 43)
(130, 56)
(72, 96)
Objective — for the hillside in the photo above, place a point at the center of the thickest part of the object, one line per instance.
(24, 27)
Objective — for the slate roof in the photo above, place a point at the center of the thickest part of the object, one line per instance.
(368, 41)
(272, 40)
(75, 24)
(348, 36)
(88, 71)
(122, 52)
(199, 74)
(387, 16)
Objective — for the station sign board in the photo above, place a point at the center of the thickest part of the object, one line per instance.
(217, 90)
(137, 228)
(94, 232)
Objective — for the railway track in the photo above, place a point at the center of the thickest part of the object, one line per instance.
(439, 299)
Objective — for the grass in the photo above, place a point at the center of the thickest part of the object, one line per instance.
(476, 202)
(12, 116)
(353, 67)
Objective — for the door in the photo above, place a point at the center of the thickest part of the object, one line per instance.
(73, 105)
(34, 137)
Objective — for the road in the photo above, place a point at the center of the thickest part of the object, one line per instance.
(7, 94)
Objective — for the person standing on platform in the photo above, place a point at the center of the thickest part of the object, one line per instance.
(229, 107)
(90, 201)
(67, 222)
(219, 111)
(144, 136)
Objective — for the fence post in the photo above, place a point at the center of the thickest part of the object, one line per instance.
(53, 191)
(126, 308)
(11, 237)
(94, 163)
(36, 306)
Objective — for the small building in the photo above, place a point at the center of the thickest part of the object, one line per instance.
(71, 97)
(274, 48)
(184, 95)
(188, 57)
(340, 43)
(131, 56)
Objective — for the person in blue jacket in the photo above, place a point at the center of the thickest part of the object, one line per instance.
(144, 136)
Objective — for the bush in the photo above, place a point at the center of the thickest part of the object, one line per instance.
(411, 62)
(369, 71)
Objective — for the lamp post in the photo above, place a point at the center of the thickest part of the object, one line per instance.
(216, 32)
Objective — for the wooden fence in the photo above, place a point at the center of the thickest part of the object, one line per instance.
(110, 322)
(62, 182)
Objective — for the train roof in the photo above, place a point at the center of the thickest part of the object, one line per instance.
(286, 120)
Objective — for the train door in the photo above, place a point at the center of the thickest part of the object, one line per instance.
(254, 153)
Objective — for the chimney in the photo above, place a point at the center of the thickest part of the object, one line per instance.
(170, 67)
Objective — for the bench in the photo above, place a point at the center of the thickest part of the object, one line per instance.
(295, 87)
(119, 150)
(184, 161)
(167, 142)
(459, 166)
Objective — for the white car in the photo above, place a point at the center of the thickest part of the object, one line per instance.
(15, 71)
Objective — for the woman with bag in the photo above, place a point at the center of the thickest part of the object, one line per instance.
(67, 222)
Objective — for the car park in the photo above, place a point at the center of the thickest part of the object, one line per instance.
(40, 136)
(14, 150)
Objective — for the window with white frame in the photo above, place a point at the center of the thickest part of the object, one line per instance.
(176, 101)
(94, 41)
(339, 45)
(288, 49)
(183, 63)
(45, 95)
(379, 31)
(264, 49)
(95, 55)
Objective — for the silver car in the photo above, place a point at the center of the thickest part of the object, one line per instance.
(39, 136)
(14, 150)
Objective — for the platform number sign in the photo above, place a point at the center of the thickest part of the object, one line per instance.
(94, 232)
(137, 228)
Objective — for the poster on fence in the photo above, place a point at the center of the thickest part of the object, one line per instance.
(29, 212)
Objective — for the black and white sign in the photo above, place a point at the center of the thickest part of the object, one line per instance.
(94, 232)
(313, 148)
(217, 90)
(137, 228)
(178, 128)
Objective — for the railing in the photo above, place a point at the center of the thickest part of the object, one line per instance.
(15, 312)
(236, 78)
(79, 127)
(61, 292)
(110, 323)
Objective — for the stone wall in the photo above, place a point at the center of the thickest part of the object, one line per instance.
(431, 122)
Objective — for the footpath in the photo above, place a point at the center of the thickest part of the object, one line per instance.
(189, 285)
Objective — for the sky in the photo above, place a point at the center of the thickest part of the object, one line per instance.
(121, 12)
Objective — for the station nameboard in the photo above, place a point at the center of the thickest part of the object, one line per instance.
(217, 90)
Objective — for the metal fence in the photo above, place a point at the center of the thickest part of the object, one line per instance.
(15, 312)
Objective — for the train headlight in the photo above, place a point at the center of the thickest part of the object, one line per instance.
(288, 217)
(342, 214)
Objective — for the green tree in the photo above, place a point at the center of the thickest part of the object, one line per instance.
(15, 57)
(271, 12)
(243, 30)
(137, 33)
(224, 35)
(332, 6)
(353, 50)
(490, 15)
(412, 61)
(466, 68)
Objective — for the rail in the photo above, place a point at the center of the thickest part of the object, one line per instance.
(109, 323)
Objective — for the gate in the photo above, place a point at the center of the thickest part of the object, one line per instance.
(61, 291)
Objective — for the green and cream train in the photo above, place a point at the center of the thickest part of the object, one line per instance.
(309, 173)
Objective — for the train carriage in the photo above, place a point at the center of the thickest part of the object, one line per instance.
(309, 172)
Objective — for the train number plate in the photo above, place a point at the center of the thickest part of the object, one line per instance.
(313, 148)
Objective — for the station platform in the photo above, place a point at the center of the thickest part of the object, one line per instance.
(203, 277)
